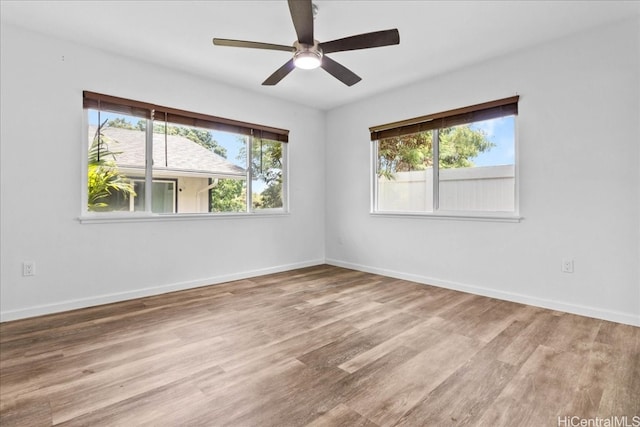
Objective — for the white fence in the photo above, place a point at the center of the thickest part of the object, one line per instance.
(487, 188)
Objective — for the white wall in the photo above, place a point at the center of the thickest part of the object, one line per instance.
(578, 139)
(84, 264)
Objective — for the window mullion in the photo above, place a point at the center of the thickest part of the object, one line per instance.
(148, 174)
(435, 138)
(249, 173)
(285, 177)
(376, 178)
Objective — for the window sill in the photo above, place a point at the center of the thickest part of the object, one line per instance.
(144, 217)
(478, 216)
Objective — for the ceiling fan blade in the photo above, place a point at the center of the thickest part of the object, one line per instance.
(254, 45)
(279, 74)
(302, 16)
(362, 41)
(339, 71)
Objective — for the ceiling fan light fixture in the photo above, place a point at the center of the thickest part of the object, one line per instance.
(307, 56)
(307, 60)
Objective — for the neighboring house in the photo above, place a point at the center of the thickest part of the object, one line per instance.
(183, 170)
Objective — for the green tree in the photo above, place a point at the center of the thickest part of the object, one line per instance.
(405, 153)
(271, 197)
(103, 176)
(459, 145)
(121, 122)
(266, 166)
(229, 195)
(199, 136)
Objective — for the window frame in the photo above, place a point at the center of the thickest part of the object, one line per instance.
(434, 122)
(147, 111)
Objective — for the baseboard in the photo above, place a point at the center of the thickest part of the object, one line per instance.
(597, 313)
(614, 316)
(40, 310)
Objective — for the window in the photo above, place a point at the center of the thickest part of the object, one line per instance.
(458, 162)
(192, 163)
(163, 193)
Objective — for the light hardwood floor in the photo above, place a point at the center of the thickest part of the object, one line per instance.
(321, 346)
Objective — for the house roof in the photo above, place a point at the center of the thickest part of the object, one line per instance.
(181, 156)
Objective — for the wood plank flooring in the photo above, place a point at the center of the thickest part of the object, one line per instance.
(321, 346)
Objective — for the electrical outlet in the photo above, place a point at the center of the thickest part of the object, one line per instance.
(567, 265)
(28, 268)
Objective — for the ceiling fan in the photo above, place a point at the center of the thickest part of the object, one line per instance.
(308, 53)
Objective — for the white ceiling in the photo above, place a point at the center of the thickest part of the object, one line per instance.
(435, 36)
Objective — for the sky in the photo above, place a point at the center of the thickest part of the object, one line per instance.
(232, 144)
(500, 131)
